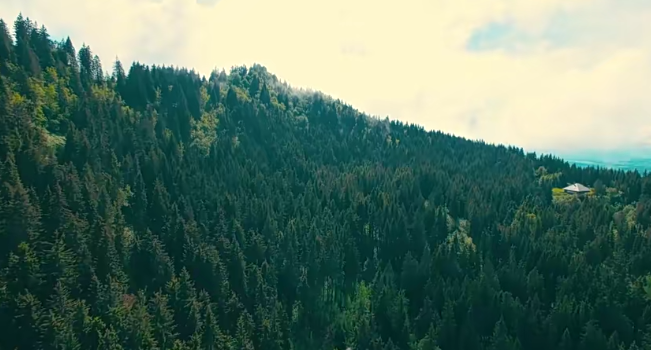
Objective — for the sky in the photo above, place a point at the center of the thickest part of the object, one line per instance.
(546, 75)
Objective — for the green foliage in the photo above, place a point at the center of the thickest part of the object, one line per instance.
(204, 131)
(157, 209)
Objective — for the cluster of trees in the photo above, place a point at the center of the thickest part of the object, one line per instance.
(159, 209)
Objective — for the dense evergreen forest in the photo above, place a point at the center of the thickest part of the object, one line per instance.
(159, 209)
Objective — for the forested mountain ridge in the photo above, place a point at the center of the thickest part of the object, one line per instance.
(158, 209)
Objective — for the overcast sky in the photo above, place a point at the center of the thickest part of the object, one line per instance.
(546, 75)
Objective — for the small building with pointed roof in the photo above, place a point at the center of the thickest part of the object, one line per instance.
(576, 188)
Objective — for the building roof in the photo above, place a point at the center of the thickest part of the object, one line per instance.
(577, 187)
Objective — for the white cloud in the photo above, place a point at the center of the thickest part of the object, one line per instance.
(406, 59)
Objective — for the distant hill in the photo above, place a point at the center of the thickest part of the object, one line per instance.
(632, 164)
(617, 159)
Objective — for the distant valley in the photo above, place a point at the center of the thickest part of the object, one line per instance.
(632, 164)
(636, 159)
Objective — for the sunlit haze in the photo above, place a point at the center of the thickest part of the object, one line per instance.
(550, 75)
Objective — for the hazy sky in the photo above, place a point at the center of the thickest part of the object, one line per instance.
(543, 74)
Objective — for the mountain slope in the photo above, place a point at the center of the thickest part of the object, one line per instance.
(158, 209)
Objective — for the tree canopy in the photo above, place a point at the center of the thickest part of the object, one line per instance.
(155, 208)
